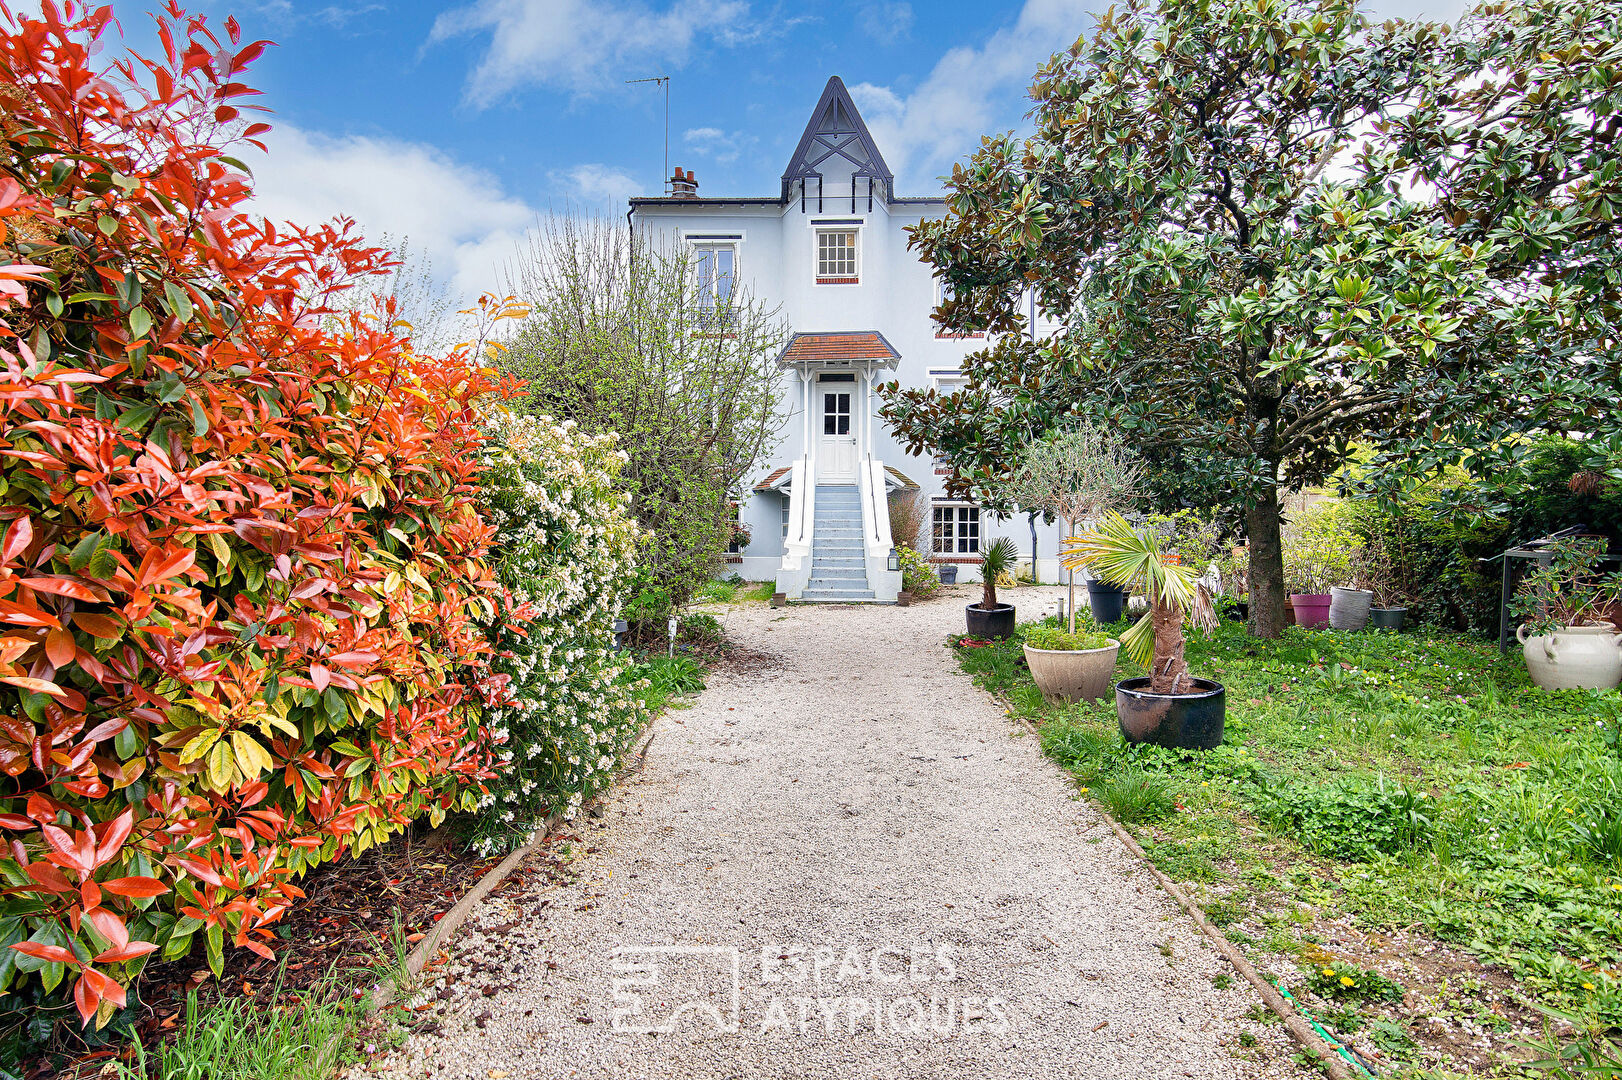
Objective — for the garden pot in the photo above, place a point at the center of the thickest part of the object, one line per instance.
(1387, 618)
(997, 622)
(1073, 674)
(948, 573)
(1107, 601)
(903, 598)
(1181, 721)
(1239, 611)
(1349, 608)
(1311, 609)
(1573, 657)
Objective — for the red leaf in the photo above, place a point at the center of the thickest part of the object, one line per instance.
(113, 834)
(19, 535)
(135, 886)
(128, 952)
(62, 586)
(38, 686)
(51, 954)
(109, 926)
(59, 647)
(319, 676)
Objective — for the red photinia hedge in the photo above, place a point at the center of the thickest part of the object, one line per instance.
(239, 557)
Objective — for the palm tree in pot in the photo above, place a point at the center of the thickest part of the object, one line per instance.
(989, 618)
(1169, 706)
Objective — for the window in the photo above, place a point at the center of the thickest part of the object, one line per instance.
(836, 414)
(785, 516)
(740, 532)
(943, 293)
(716, 266)
(957, 530)
(836, 257)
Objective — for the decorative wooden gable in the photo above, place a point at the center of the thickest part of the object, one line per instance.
(836, 145)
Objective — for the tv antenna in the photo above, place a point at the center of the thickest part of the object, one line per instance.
(664, 84)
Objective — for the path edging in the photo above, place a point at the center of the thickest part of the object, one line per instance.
(1299, 1029)
(453, 919)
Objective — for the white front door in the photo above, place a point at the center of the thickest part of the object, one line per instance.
(836, 457)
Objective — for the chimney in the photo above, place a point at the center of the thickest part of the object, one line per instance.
(682, 185)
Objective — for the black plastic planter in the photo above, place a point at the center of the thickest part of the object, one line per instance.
(1181, 721)
(1107, 601)
(948, 573)
(997, 622)
(1387, 618)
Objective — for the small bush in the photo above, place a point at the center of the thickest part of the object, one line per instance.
(700, 630)
(1133, 797)
(668, 677)
(1354, 819)
(918, 576)
(1341, 980)
(1084, 750)
(1051, 637)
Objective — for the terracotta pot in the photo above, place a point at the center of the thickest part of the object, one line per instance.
(903, 598)
(1349, 608)
(1073, 674)
(1311, 609)
(1573, 657)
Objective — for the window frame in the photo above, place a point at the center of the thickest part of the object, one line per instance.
(959, 515)
(705, 316)
(818, 231)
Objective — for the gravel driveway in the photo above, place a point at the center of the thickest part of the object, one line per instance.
(885, 868)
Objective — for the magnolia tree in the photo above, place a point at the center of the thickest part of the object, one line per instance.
(1213, 205)
(1077, 476)
(670, 354)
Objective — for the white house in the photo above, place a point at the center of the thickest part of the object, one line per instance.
(831, 249)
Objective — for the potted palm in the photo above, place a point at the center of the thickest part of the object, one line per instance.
(989, 618)
(1069, 667)
(1169, 706)
(1562, 604)
(1076, 476)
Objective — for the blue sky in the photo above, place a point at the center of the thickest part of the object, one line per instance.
(458, 125)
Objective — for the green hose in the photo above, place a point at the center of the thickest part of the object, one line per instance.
(1351, 1059)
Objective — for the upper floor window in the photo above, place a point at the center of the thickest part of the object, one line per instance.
(838, 257)
(716, 270)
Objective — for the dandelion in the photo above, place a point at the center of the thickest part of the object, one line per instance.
(1589, 986)
(1329, 972)
(1347, 980)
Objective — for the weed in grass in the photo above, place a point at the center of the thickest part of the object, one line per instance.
(1247, 1038)
(1336, 979)
(1391, 1037)
(668, 677)
(1343, 1018)
(716, 592)
(1134, 797)
(1222, 980)
(760, 592)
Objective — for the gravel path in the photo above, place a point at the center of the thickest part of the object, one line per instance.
(909, 888)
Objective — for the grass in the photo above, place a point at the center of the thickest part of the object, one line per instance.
(1401, 781)
(735, 590)
(669, 677)
(303, 1036)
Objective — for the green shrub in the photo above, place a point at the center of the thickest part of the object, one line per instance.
(1353, 819)
(1051, 637)
(700, 630)
(918, 576)
(1135, 797)
(1084, 750)
(1341, 980)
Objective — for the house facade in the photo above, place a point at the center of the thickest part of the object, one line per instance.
(830, 248)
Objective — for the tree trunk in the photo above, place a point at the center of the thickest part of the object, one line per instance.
(1170, 669)
(1266, 573)
(1036, 575)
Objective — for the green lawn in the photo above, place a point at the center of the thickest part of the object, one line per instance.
(1415, 787)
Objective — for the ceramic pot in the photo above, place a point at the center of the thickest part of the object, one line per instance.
(1387, 618)
(1573, 657)
(1311, 609)
(997, 622)
(1349, 608)
(1073, 674)
(1107, 601)
(948, 573)
(1182, 721)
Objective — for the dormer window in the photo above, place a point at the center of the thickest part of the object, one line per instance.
(838, 256)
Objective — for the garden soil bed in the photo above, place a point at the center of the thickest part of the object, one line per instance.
(344, 924)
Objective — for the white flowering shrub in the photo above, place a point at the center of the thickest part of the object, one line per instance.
(563, 551)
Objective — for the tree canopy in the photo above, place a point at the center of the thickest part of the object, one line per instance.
(1246, 215)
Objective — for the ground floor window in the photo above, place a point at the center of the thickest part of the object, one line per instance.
(957, 530)
(785, 516)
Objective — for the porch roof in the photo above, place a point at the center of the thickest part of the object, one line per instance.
(837, 349)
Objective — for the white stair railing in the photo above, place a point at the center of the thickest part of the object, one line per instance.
(794, 574)
(876, 539)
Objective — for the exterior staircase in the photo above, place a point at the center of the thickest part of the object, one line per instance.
(838, 562)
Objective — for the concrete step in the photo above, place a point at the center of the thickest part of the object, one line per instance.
(826, 577)
(839, 598)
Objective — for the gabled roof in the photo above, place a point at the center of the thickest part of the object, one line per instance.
(774, 482)
(836, 348)
(836, 129)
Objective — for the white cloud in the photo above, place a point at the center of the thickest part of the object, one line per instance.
(966, 93)
(722, 147)
(602, 187)
(456, 214)
(885, 21)
(586, 45)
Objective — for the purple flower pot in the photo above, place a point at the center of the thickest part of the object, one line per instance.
(1311, 609)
